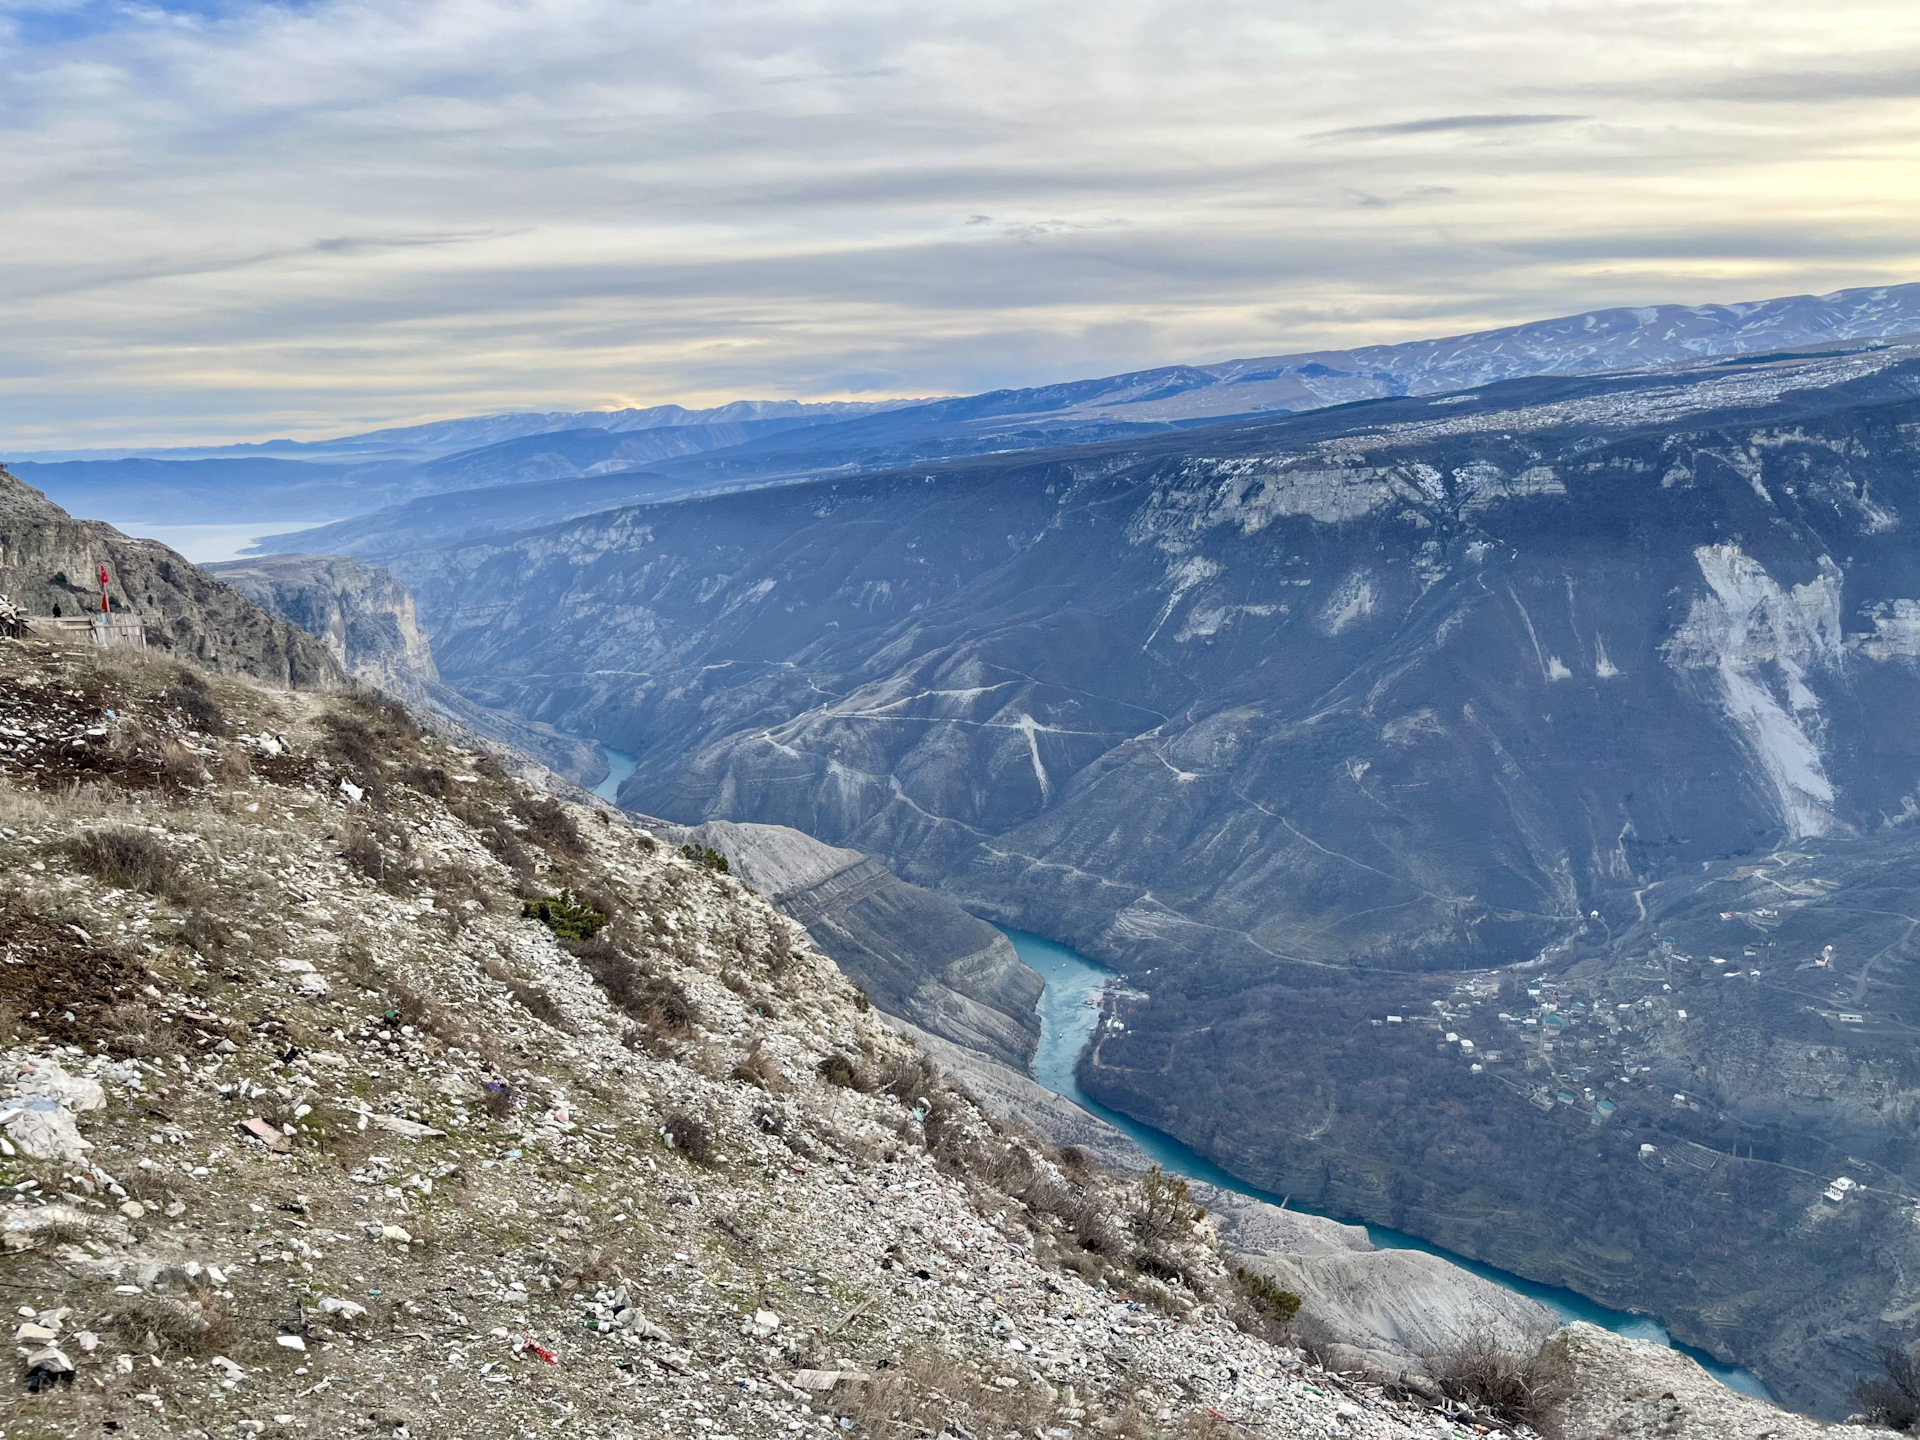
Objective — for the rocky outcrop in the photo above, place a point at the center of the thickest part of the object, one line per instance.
(49, 564)
(365, 618)
(1389, 1313)
(917, 954)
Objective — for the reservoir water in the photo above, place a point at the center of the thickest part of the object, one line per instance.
(1066, 1024)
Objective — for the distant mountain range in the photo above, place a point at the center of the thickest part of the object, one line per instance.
(757, 442)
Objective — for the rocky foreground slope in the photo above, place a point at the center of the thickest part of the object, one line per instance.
(314, 1127)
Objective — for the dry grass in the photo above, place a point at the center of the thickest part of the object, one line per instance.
(191, 697)
(129, 859)
(757, 1069)
(200, 1325)
(932, 1393)
(1498, 1383)
(380, 855)
(534, 999)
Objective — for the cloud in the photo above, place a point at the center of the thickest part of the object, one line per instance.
(229, 219)
(1816, 87)
(1439, 124)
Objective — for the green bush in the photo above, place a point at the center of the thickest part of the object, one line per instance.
(1163, 1208)
(566, 916)
(1266, 1296)
(706, 857)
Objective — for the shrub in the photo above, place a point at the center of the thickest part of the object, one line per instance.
(910, 1079)
(382, 859)
(134, 1028)
(656, 1001)
(706, 857)
(838, 1069)
(1265, 1296)
(566, 916)
(690, 1137)
(1163, 1208)
(190, 696)
(428, 780)
(549, 822)
(492, 830)
(129, 860)
(1892, 1396)
(180, 767)
(755, 1068)
(199, 1326)
(1494, 1381)
(537, 1002)
(205, 934)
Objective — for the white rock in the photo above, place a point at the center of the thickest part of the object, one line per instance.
(401, 1126)
(290, 1342)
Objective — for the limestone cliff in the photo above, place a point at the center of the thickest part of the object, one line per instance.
(365, 618)
(358, 611)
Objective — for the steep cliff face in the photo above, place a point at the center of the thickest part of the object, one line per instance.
(49, 563)
(919, 955)
(1279, 718)
(358, 611)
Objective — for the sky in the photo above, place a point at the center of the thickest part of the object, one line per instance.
(231, 220)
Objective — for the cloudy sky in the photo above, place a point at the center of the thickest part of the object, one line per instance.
(227, 219)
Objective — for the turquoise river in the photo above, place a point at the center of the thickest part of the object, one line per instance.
(1066, 1024)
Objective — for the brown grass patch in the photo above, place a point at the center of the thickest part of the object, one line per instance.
(129, 859)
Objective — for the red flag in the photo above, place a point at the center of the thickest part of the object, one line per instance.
(103, 590)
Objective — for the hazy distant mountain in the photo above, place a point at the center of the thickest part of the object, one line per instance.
(762, 442)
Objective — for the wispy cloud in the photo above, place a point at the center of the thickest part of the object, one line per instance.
(1817, 87)
(236, 218)
(1439, 124)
